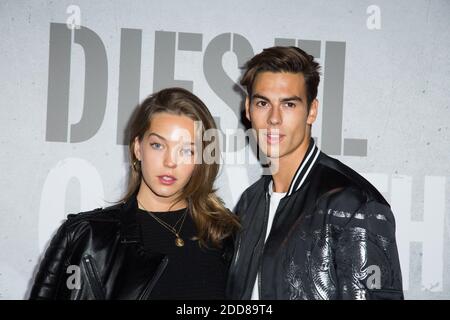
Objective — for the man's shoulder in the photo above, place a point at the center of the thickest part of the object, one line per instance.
(341, 180)
(350, 197)
(254, 191)
(258, 187)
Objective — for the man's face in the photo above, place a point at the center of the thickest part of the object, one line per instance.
(279, 114)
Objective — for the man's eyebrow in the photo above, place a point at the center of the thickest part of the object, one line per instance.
(260, 97)
(293, 98)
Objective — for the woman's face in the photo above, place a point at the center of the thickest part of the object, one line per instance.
(167, 154)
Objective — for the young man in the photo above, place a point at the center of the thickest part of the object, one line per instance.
(314, 229)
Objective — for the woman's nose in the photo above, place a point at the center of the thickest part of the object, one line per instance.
(170, 159)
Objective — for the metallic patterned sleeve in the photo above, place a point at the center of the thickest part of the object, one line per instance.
(366, 256)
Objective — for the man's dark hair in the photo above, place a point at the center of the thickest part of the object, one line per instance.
(284, 59)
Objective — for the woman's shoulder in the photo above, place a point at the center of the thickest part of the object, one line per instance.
(106, 214)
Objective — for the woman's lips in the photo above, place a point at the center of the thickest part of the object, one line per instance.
(274, 138)
(167, 180)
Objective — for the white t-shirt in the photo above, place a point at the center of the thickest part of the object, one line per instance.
(275, 198)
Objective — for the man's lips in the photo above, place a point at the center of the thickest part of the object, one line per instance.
(167, 179)
(274, 138)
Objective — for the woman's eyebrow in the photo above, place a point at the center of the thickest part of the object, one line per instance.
(155, 134)
(161, 137)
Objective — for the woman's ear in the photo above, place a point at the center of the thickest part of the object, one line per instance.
(137, 148)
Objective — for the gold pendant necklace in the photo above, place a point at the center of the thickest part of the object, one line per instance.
(179, 242)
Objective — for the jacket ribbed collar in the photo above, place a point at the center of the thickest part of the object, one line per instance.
(303, 170)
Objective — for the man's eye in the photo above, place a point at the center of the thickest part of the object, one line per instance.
(261, 103)
(290, 104)
(156, 145)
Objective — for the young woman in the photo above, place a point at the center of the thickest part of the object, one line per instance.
(167, 239)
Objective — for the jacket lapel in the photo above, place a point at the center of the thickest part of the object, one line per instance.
(135, 271)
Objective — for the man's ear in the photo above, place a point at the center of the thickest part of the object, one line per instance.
(247, 109)
(313, 110)
(137, 148)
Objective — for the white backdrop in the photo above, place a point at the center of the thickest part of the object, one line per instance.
(66, 95)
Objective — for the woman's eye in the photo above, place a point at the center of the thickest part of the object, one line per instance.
(156, 145)
(187, 152)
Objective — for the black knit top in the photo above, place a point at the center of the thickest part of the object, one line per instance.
(192, 272)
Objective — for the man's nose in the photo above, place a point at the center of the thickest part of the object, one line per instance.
(275, 116)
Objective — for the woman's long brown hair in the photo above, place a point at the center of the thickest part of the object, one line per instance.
(213, 221)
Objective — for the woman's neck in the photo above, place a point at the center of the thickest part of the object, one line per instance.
(149, 201)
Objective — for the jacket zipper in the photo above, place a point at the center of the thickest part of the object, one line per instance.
(93, 278)
(152, 282)
(266, 216)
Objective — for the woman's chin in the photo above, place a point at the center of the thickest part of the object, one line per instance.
(165, 192)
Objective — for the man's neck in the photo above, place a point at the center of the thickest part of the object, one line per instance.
(287, 166)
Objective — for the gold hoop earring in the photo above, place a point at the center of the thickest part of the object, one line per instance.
(135, 163)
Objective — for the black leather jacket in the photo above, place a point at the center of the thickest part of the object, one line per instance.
(332, 237)
(105, 245)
